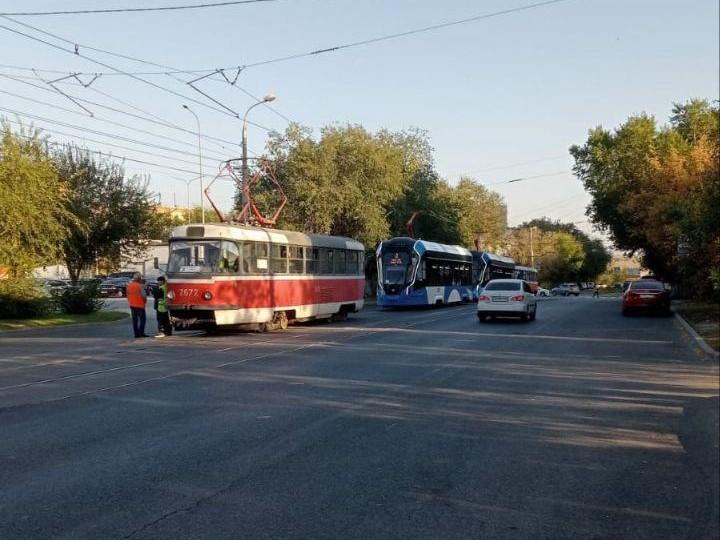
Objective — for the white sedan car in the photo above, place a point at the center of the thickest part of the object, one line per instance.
(506, 298)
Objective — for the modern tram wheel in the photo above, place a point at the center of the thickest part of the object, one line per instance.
(282, 320)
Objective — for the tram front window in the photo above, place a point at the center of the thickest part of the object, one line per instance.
(396, 269)
(207, 257)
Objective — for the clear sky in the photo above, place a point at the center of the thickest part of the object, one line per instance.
(516, 88)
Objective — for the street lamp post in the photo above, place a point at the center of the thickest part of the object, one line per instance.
(202, 195)
(187, 185)
(532, 252)
(267, 99)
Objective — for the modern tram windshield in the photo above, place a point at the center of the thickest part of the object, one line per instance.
(396, 267)
(207, 256)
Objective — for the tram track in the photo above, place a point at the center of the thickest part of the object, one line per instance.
(350, 333)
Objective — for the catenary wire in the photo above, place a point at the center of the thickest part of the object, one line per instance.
(134, 10)
(119, 124)
(168, 69)
(111, 122)
(134, 77)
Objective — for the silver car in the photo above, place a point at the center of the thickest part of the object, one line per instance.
(506, 298)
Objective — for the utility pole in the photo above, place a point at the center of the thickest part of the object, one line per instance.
(532, 252)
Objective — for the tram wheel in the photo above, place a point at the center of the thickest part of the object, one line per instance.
(281, 320)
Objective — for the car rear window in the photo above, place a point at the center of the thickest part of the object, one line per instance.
(646, 285)
(503, 286)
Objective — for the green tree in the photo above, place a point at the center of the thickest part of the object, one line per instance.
(33, 217)
(657, 188)
(115, 215)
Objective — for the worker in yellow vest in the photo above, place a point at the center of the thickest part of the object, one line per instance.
(137, 298)
(163, 317)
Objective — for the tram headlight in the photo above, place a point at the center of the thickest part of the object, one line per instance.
(207, 295)
(170, 295)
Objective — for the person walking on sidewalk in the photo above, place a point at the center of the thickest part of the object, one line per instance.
(137, 298)
(163, 317)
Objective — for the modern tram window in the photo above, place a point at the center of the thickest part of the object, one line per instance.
(312, 260)
(255, 258)
(340, 261)
(296, 260)
(278, 259)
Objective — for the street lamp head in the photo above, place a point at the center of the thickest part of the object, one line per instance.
(269, 98)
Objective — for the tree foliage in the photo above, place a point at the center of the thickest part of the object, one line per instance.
(657, 189)
(33, 217)
(367, 186)
(562, 251)
(115, 215)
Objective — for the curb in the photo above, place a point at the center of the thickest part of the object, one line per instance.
(699, 341)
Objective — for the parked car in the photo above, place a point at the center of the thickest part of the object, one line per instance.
(542, 292)
(507, 298)
(54, 286)
(127, 274)
(646, 295)
(566, 289)
(114, 287)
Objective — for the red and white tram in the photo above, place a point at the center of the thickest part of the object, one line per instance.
(223, 275)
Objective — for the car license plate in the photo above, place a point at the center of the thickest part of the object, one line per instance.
(647, 296)
(499, 299)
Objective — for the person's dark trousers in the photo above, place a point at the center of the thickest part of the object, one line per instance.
(138, 321)
(164, 326)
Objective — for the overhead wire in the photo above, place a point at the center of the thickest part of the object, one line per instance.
(168, 69)
(114, 145)
(111, 122)
(108, 66)
(160, 121)
(95, 132)
(315, 52)
(513, 165)
(134, 10)
(524, 178)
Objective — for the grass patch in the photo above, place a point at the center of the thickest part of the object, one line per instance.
(61, 320)
(704, 317)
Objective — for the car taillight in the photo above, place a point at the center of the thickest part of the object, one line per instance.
(518, 298)
(484, 298)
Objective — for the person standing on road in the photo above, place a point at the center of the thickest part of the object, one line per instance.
(596, 291)
(137, 298)
(163, 317)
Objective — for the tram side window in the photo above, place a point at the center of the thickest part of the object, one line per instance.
(326, 261)
(352, 262)
(340, 260)
(255, 258)
(312, 260)
(278, 259)
(296, 259)
(434, 274)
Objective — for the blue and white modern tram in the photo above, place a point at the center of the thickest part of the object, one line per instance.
(420, 273)
(487, 266)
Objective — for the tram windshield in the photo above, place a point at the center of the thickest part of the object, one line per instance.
(396, 267)
(206, 256)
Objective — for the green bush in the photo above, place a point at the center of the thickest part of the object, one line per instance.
(23, 299)
(79, 299)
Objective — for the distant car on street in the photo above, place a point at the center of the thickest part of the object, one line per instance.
(114, 287)
(646, 295)
(507, 298)
(566, 289)
(542, 292)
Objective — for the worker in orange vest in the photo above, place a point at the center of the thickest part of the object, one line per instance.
(137, 298)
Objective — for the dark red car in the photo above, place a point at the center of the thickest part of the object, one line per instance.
(646, 295)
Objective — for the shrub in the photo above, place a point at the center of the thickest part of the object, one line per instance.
(79, 299)
(23, 299)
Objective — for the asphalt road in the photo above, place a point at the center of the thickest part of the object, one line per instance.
(411, 424)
